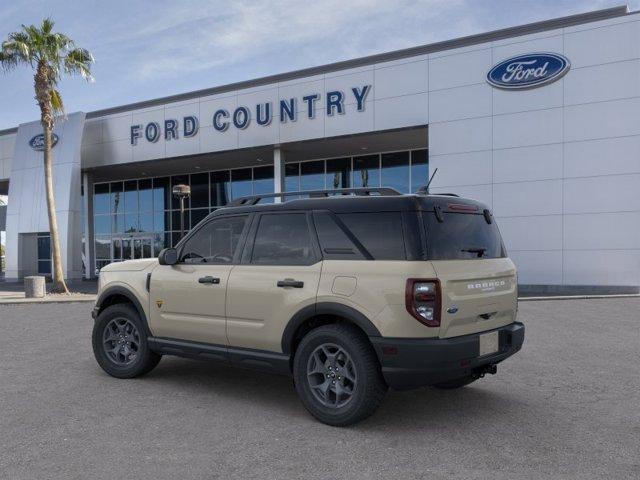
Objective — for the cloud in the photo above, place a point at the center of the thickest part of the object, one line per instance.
(199, 35)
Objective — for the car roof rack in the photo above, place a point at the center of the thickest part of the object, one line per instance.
(254, 199)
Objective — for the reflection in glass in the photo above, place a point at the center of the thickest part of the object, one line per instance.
(131, 196)
(312, 175)
(126, 249)
(117, 249)
(241, 182)
(116, 197)
(101, 224)
(338, 173)
(292, 177)
(262, 180)
(101, 198)
(200, 190)
(419, 169)
(159, 242)
(220, 188)
(131, 223)
(395, 171)
(179, 180)
(103, 250)
(366, 171)
(145, 195)
(160, 221)
(117, 223)
(146, 222)
(161, 194)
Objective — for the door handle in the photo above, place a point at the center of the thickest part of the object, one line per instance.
(208, 279)
(290, 282)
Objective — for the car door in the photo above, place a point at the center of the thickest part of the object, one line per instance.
(188, 298)
(279, 275)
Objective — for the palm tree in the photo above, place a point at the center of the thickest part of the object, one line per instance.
(49, 54)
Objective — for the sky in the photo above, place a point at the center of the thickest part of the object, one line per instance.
(148, 49)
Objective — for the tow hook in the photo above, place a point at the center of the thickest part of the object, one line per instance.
(483, 370)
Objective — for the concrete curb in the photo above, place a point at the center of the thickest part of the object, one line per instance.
(45, 300)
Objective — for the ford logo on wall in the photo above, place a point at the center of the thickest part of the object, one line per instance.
(528, 71)
(37, 142)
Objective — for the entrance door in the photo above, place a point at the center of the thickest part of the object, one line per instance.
(188, 299)
(130, 248)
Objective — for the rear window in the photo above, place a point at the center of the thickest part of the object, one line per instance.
(380, 233)
(462, 236)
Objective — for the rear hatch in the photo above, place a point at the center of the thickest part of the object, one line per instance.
(478, 282)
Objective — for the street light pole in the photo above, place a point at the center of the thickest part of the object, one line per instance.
(181, 192)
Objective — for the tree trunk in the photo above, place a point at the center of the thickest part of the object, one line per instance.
(46, 118)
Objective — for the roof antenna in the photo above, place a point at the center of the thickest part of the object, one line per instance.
(425, 189)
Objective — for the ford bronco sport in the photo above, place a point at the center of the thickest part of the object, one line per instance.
(349, 291)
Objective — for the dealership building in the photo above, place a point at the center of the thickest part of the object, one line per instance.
(541, 122)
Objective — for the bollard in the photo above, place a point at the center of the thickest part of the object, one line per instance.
(34, 287)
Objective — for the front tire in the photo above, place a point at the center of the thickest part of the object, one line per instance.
(337, 375)
(120, 343)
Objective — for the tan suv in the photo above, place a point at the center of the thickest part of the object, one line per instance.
(349, 292)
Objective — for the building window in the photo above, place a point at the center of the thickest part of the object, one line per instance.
(338, 173)
(138, 218)
(366, 171)
(395, 171)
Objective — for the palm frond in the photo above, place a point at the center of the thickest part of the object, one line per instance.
(78, 61)
(56, 102)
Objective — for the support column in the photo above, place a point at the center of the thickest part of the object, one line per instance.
(87, 206)
(278, 172)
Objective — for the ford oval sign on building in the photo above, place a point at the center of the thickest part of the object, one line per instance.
(37, 142)
(528, 71)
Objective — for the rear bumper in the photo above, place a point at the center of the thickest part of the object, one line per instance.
(410, 363)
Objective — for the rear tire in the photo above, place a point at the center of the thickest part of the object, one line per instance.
(457, 383)
(120, 343)
(337, 375)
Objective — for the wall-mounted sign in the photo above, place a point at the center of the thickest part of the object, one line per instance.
(37, 142)
(528, 71)
(242, 116)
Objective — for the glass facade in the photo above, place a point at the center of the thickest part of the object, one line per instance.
(138, 218)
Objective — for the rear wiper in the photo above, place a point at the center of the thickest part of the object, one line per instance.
(477, 250)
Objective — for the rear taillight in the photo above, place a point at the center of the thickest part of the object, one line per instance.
(423, 301)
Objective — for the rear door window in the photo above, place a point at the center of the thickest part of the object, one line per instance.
(380, 233)
(462, 236)
(283, 239)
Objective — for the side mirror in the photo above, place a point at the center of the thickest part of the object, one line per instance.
(168, 256)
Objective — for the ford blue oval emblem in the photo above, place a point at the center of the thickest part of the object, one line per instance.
(452, 309)
(37, 142)
(528, 71)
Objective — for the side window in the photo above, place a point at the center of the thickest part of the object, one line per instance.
(334, 242)
(283, 239)
(380, 233)
(216, 242)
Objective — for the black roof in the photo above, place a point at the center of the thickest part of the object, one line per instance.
(357, 204)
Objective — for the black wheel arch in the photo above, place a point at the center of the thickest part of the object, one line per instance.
(119, 294)
(324, 310)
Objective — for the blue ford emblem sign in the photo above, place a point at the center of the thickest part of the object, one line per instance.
(528, 71)
(37, 142)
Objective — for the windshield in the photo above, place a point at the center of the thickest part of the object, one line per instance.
(462, 236)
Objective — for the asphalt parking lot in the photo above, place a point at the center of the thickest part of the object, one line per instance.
(567, 406)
